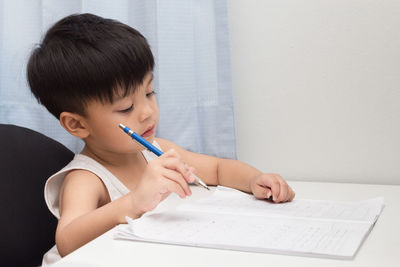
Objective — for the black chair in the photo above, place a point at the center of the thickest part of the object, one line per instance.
(27, 159)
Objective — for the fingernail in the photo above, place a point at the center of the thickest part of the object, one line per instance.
(191, 178)
(269, 194)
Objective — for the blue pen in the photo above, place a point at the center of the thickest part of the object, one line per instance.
(155, 150)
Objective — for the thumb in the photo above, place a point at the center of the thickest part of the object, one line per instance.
(262, 192)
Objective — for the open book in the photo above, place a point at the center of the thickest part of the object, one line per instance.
(231, 219)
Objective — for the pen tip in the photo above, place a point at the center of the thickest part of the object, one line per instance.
(121, 126)
(204, 185)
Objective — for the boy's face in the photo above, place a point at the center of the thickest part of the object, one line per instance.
(138, 111)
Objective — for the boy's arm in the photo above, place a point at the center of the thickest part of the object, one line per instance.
(244, 177)
(83, 215)
(235, 174)
(86, 211)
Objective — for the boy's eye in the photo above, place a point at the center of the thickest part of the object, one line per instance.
(127, 109)
(151, 93)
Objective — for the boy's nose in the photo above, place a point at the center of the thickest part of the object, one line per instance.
(147, 111)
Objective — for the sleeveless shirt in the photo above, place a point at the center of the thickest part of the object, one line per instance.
(115, 188)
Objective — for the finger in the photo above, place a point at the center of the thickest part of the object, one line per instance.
(175, 188)
(178, 178)
(178, 166)
(192, 170)
(275, 188)
(173, 154)
(284, 190)
(292, 194)
(260, 192)
(270, 181)
(268, 194)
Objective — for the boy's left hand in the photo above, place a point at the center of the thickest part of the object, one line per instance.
(269, 184)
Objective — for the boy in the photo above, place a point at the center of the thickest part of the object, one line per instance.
(93, 74)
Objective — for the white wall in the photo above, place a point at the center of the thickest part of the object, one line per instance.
(317, 88)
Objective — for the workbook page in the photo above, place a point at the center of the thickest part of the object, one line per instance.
(250, 233)
(231, 219)
(226, 200)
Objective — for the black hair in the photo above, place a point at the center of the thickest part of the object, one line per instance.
(86, 57)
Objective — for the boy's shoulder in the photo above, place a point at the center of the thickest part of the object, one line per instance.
(165, 144)
(184, 153)
(81, 177)
(79, 181)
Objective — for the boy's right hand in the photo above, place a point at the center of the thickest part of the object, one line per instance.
(162, 176)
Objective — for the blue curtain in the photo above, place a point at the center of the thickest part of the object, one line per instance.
(190, 42)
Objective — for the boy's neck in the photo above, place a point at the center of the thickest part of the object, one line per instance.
(127, 168)
(111, 159)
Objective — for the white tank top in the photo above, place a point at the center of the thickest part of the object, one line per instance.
(115, 188)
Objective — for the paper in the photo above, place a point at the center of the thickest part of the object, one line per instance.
(231, 219)
(227, 200)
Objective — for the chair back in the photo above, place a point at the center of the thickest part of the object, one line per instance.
(27, 159)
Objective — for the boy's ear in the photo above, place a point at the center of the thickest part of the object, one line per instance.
(75, 124)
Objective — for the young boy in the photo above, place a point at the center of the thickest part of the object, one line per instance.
(93, 74)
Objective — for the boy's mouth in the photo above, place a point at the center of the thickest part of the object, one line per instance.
(148, 132)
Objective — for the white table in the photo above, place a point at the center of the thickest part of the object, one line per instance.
(381, 248)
